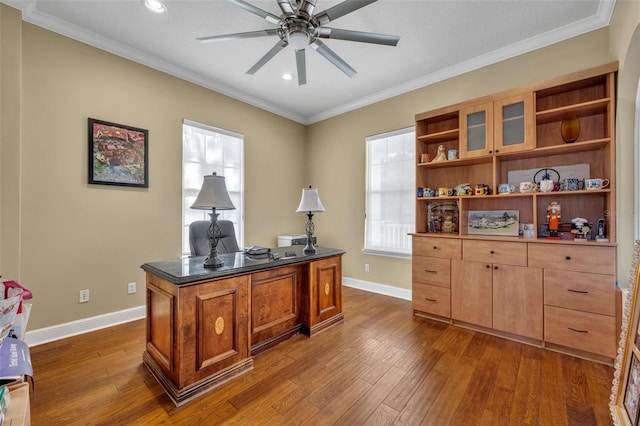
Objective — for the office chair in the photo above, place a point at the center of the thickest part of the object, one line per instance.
(199, 241)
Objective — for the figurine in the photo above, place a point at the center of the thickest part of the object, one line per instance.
(553, 217)
(441, 155)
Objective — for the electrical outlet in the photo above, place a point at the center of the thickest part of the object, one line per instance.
(84, 296)
(131, 288)
(366, 267)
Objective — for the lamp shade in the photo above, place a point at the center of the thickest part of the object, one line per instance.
(213, 194)
(310, 201)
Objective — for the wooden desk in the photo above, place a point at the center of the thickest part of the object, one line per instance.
(203, 325)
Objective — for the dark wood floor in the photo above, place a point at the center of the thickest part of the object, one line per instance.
(381, 366)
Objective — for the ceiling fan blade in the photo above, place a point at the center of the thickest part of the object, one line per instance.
(302, 67)
(364, 37)
(286, 7)
(332, 57)
(236, 36)
(307, 7)
(270, 17)
(341, 9)
(270, 54)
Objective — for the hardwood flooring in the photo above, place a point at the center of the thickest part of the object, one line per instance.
(381, 366)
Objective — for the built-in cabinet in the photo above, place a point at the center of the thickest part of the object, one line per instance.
(556, 293)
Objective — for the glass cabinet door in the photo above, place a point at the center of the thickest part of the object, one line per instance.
(513, 130)
(476, 131)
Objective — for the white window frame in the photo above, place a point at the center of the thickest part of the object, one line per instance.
(206, 163)
(394, 240)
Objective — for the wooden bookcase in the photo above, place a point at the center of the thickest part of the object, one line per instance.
(517, 130)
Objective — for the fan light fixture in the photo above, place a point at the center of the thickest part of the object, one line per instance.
(155, 6)
(298, 40)
(287, 76)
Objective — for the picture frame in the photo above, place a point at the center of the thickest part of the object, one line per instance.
(493, 222)
(632, 390)
(118, 154)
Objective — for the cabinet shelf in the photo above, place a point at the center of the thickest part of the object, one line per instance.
(546, 151)
(583, 109)
(439, 137)
(458, 162)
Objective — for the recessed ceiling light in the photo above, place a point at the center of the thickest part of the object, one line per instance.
(287, 76)
(155, 6)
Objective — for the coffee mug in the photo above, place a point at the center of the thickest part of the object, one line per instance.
(546, 185)
(443, 191)
(430, 192)
(452, 154)
(482, 189)
(506, 188)
(526, 187)
(571, 184)
(596, 183)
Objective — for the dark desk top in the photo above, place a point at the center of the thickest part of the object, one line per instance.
(190, 269)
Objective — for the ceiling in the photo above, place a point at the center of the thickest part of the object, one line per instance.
(438, 39)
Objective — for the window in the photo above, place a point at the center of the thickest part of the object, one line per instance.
(391, 198)
(205, 150)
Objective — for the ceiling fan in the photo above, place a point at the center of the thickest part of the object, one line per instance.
(299, 27)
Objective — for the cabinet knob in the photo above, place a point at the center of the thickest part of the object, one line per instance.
(568, 257)
(430, 271)
(490, 152)
(497, 150)
(488, 266)
(430, 300)
(492, 252)
(435, 247)
(577, 330)
(495, 267)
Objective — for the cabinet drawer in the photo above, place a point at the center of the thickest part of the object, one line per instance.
(431, 270)
(597, 260)
(432, 300)
(580, 330)
(437, 247)
(579, 290)
(506, 253)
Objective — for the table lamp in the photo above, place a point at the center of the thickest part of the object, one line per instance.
(310, 204)
(213, 195)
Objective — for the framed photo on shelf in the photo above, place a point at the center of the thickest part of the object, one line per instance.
(632, 391)
(118, 154)
(493, 222)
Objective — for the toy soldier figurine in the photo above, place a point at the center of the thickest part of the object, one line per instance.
(553, 217)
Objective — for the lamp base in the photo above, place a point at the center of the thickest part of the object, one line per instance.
(213, 262)
(309, 248)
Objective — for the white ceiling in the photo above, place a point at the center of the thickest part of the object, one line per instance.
(438, 39)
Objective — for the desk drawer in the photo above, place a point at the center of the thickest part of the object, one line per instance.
(580, 330)
(445, 248)
(505, 253)
(431, 270)
(578, 290)
(432, 299)
(596, 260)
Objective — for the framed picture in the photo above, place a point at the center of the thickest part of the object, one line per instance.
(632, 391)
(118, 154)
(493, 222)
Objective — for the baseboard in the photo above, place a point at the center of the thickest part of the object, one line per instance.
(73, 328)
(387, 290)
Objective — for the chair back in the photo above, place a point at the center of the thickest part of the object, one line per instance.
(199, 241)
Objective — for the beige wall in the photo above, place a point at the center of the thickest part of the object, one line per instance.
(336, 152)
(625, 46)
(75, 236)
(60, 235)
